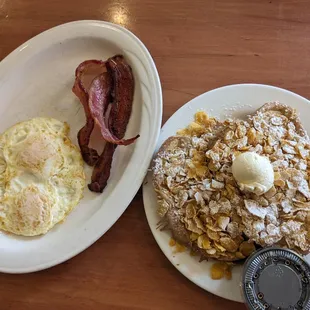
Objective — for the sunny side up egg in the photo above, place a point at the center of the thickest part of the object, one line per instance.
(41, 176)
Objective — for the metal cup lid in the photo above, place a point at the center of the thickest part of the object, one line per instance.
(276, 278)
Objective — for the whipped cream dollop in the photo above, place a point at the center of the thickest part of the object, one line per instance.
(253, 173)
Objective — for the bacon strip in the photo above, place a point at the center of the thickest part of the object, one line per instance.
(102, 169)
(99, 98)
(118, 119)
(84, 74)
(123, 94)
(121, 107)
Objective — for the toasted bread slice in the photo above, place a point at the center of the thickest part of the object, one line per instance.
(277, 108)
(172, 215)
(295, 239)
(275, 123)
(172, 219)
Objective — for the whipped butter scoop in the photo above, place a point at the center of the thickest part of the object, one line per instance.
(253, 172)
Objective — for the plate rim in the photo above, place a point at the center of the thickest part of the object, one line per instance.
(146, 185)
(8, 62)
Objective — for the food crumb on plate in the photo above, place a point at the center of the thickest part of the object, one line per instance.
(221, 270)
(179, 248)
(172, 242)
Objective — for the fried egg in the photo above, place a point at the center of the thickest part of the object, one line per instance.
(41, 176)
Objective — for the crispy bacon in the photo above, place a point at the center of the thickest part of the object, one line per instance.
(99, 99)
(102, 169)
(114, 126)
(105, 90)
(123, 94)
(84, 74)
(118, 118)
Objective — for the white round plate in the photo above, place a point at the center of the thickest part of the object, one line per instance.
(36, 80)
(229, 101)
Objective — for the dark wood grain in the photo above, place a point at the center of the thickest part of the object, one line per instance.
(197, 45)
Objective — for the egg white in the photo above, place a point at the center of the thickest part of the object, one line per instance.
(41, 176)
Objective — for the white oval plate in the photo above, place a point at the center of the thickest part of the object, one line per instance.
(229, 101)
(36, 80)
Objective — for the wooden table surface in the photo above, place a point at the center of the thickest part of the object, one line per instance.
(197, 45)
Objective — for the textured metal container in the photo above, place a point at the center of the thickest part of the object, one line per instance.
(275, 278)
